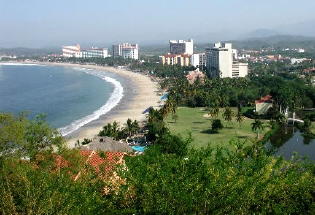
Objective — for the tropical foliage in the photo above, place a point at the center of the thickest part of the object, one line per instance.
(115, 131)
(169, 178)
(216, 125)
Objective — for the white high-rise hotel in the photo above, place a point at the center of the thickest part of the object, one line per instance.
(182, 47)
(182, 53)
(221, 62)
(126, 50)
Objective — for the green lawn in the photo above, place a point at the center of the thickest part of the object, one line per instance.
(193, 120)
(313, 128)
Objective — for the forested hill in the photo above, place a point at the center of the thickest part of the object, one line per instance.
(277, 42)
(29, 52)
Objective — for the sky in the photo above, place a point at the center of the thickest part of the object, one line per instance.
(43, 23)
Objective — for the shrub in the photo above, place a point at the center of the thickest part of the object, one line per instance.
(86, 141)
(216, 125)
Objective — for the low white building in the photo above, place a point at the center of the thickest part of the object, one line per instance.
(239, 70)
(244, 57)
(263, 105)
(301, 50)
(198, 60)
(71, 51)
(298, 60)
(95, 53)
(77, 52)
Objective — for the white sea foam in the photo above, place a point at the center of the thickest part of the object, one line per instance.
(113, 100)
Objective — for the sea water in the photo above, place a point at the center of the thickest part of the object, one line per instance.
(69, 97)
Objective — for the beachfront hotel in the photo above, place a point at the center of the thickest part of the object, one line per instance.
(222, 62)
(176, 59)
(198, 60)
(181, 53)
(77, 52)
(182, 47)
(71, 51)
(126, 50)
(95, 52)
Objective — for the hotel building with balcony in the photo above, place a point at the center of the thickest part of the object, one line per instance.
(222, 63)
(126, 50)
(77, 52)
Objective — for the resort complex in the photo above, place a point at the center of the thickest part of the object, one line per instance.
(157, 107)
(126, 50)
(77, 52)
(221, 62)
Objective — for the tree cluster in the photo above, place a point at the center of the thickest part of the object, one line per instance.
(169, 178)
(116, 132)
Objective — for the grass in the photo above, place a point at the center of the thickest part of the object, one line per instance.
(313, 128)
(193, 120)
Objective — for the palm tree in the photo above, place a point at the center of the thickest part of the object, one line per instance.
(214, 107)
(257, 125)
(135, 127)
(228, 114)
(214, 111)
(239, 117)
(115, 127)
(155, 115)
(110, 130)
(164, 111)
(170, 105)
(129, 127)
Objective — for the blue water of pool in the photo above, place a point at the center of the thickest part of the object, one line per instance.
(138, 148)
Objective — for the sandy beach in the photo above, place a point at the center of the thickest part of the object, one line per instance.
(140, 93)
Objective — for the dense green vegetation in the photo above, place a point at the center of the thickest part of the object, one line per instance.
(277, 42)
(113, 130)
(168, 179)
(234, 174)
(206, 182)
(197, 122)
(287, 92)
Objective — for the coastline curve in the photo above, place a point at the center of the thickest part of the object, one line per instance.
(113, 101)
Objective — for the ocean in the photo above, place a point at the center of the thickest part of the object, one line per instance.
(69, 97)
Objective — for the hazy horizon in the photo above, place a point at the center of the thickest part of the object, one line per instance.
(49, 24)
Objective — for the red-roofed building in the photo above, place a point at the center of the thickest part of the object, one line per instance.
(108, 160)
(310, 70)
(104, 164)
(195, 75)
(263, 104)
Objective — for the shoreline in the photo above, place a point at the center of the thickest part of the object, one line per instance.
(112, 101)
(140, 93)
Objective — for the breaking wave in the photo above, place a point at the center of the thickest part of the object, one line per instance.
(113, 100)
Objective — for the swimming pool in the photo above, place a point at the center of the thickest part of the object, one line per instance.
(139, 148)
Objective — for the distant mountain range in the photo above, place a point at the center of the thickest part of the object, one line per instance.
(29, 52)
(260, 33)
(300, 35)
(303, 30)
(276, 41)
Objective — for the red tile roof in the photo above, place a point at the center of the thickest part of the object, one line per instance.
(61, 162)
(309, 70)
(108, 161)
(265, 99)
